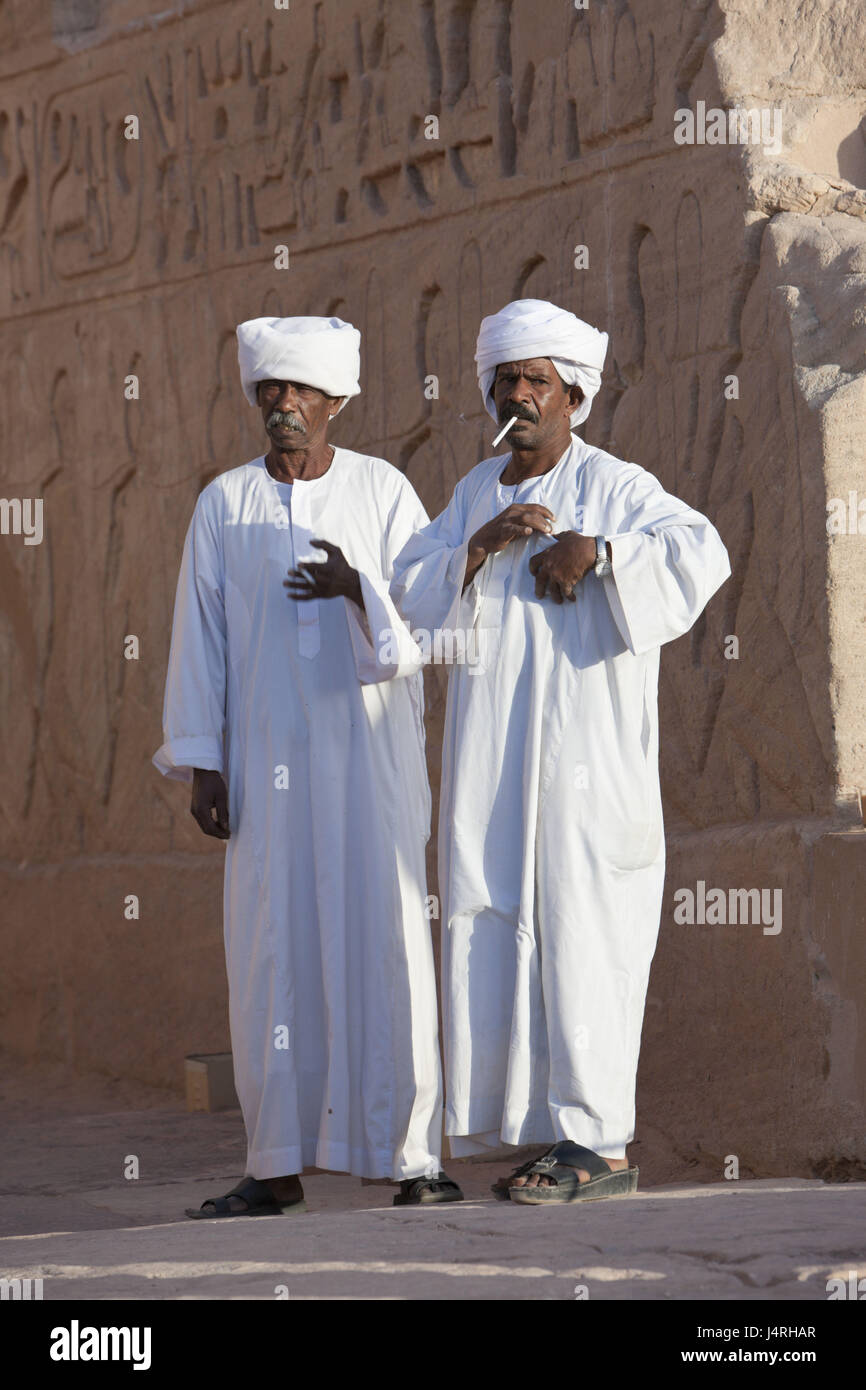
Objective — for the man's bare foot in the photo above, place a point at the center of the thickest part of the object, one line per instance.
(540, 1180)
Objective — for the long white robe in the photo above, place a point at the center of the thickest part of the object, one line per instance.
(551, 842)
(331, 979)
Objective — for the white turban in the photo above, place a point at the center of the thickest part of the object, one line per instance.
(534, 328)
(325, 353)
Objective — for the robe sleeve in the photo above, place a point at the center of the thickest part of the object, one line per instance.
(383, 646)
(428, 574)
(195, 690)
(668, 561)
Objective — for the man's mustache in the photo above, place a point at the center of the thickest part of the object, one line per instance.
(286, 418)
(522, 412)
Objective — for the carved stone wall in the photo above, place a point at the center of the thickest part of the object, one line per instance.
(308, 128)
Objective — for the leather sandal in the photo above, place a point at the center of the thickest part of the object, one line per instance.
(258, 1196)
(560, 1164)
(423, 1191)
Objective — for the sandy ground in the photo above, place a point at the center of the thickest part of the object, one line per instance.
(69, 1216)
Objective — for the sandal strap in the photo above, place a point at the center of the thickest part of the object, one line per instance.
(567, 1154)
(441, 1183)
(254, 1192)
(524, 1168)
(220, 1205)
(250, 1190)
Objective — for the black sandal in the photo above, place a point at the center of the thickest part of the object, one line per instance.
(423, 1191)
(560, 1164)
(258, 1196)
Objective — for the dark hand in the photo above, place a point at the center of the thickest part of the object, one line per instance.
(331, 578)
(210, 803)
(517, 522)
(559, 568)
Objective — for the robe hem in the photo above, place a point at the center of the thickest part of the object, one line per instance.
(579, 1128)
(337, 1158)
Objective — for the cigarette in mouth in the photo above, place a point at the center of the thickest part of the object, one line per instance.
(505, 428)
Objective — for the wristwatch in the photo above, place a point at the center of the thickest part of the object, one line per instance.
(603, 565)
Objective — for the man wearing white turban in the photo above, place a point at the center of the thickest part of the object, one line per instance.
(305, 749)
(569, 568)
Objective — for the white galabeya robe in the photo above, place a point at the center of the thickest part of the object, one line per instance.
(330, 966)
(551, 842)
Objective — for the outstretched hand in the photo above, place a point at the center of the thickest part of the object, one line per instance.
(331, 578)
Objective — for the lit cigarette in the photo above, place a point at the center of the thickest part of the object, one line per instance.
(503, 432)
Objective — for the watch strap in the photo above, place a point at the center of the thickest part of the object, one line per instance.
(603, 565)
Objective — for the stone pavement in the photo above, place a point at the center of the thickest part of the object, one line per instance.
(70, 1217)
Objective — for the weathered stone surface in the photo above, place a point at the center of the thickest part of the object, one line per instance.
(69, 1216)
(758, 1241)
(306, 128)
